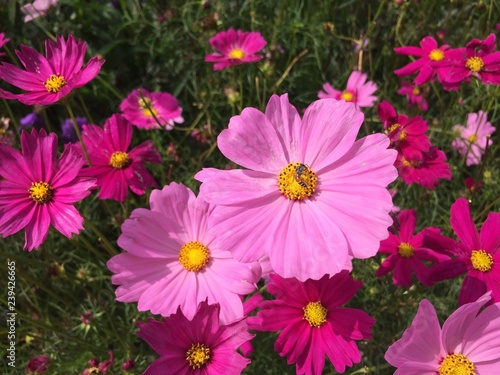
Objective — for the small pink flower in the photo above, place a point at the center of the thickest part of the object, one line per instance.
(235, 47)
(7, 135)
(471, 184)
(414, 95)
(473, 138)
(406, 252)
(97, 367)
(312, 322)
(3, 41)
(37, 8)
(38, 365)
(358, 91)
(197, 346)
(115, 168)
(141, 107)
(467, 344)
(39, 190)
(49, 79)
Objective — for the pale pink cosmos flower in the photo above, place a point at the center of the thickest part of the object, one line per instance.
(200, 345)
(307, 186)
(468, 343)
(39, 189)
(147, 110)
(113, 165)
(358, 91)
(312, 322)
(472, 139)
(36, 9)
(235, 47)
(172, 259)
(49, 79)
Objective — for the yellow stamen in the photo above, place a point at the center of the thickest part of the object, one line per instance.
(40, 192)
(315, 314)
(147, 107)
(405, 250)
(472, 138)
(55, 83)
(416, 91)
(436, 55)
(297, 181)
(456, 364)
(475, 64)
(193, 256)
(481, 260)
(393, 127)
(119, 160)
(347, 96)
(403, 135)
(198, 355)
(236, 53)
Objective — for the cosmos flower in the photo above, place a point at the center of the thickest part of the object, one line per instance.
(472, 139)
(235, 47)
(38, 365)
(476, 255)
(115, 168)
(307, 186)
(97, 367)
(312, 322)
(39, 190)
(200, 345)
(49, 79)
(414, 95)
(468, 343)
(3, 41)
(145, 109)
(406, 252)
(358, 91)
(37, 8)
(172, 259)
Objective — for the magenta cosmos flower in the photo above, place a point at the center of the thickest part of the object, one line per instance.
(358, 91)
(407, 255)
(468, 343)
(172, 259)
(37, 365)
(235, 47)
(37, 8)
(115, 168)
(39, 190)
(476, 255)
(147, 110)
(49, 79)
(313, 323)
(472, 139)
(426, 54)
(307, 187)
(414, 95)
(3, 41)
(198, 346)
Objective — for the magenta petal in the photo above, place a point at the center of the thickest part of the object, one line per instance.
(472, 288)
(37, 229)
(490, 233)
(462, 224)
(65, 218)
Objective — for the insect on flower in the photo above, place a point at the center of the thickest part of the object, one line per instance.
(299, 171)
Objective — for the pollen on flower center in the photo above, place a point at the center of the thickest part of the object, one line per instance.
(94, 371)
(193, 256)
(347, 96)
(393, 127)
(198, 355)
(315, 314)
(475, 64)
(297, 181)
(237, 53)
(456, 364)
(147, 107)
(55, 83)
(436, 55)
(472, 138)
(403, 135)
(481, 260)
(416, 91)
(405, 250)
(40, 192)
(119, 160)
(410, 163)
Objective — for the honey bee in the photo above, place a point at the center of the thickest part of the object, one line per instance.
(299, 171)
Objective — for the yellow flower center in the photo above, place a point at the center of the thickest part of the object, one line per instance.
(416, 91)
(436, 55)
(297, 181)
(410, 163)
(55, 83)
(456, 364)
(472, 138)
(475, 64)
(94, 371)
(405, 250)
(147, 107)
(315, 314)
(119, 160)
(193, 256)
(393, 127)
(347, 96)
(403, 135)
(40, 192)
(236, 53)
(481, 260)
(198, 355)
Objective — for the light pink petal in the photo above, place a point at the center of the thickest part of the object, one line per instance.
(330, 92)
(417, 368)
(481, 338)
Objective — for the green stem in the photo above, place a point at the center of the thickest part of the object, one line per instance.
(85, 109)
(13, 119)
(104, 241)
(78, 133)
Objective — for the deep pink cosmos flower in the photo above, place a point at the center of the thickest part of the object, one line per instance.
(3, 41)
(141, 107)
(173, 260)
(98, 367)
(196, 346)
(468, 343)
(476, 255)
(235, 47)
(426, 54)
(477, 59)
(406, 252)
(472, 139)
(38, 189)
(49, 79)
(313, 323)
(307, 186)
(115, 168)
(423, 168)
(414, 95)
(358, 91)
(38, 365)
(37, 8)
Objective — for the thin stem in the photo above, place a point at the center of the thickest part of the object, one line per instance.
(78, 133)
(13, 119)
(289, 68)
(85, 109)
(104, 241)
